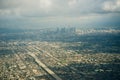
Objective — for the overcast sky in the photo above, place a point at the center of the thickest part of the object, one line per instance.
(60, 11)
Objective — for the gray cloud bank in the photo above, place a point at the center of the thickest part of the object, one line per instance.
(74, 10)
(58, 7)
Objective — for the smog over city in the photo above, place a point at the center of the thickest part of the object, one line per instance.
(59, 39)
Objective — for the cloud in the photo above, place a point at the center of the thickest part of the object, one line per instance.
(61, 10)
(59, 7)
(72, 2)
(45, 3)
(5, 4)
(51, 7)
(112, 6)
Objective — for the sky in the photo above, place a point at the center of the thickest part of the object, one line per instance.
(40, 13)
